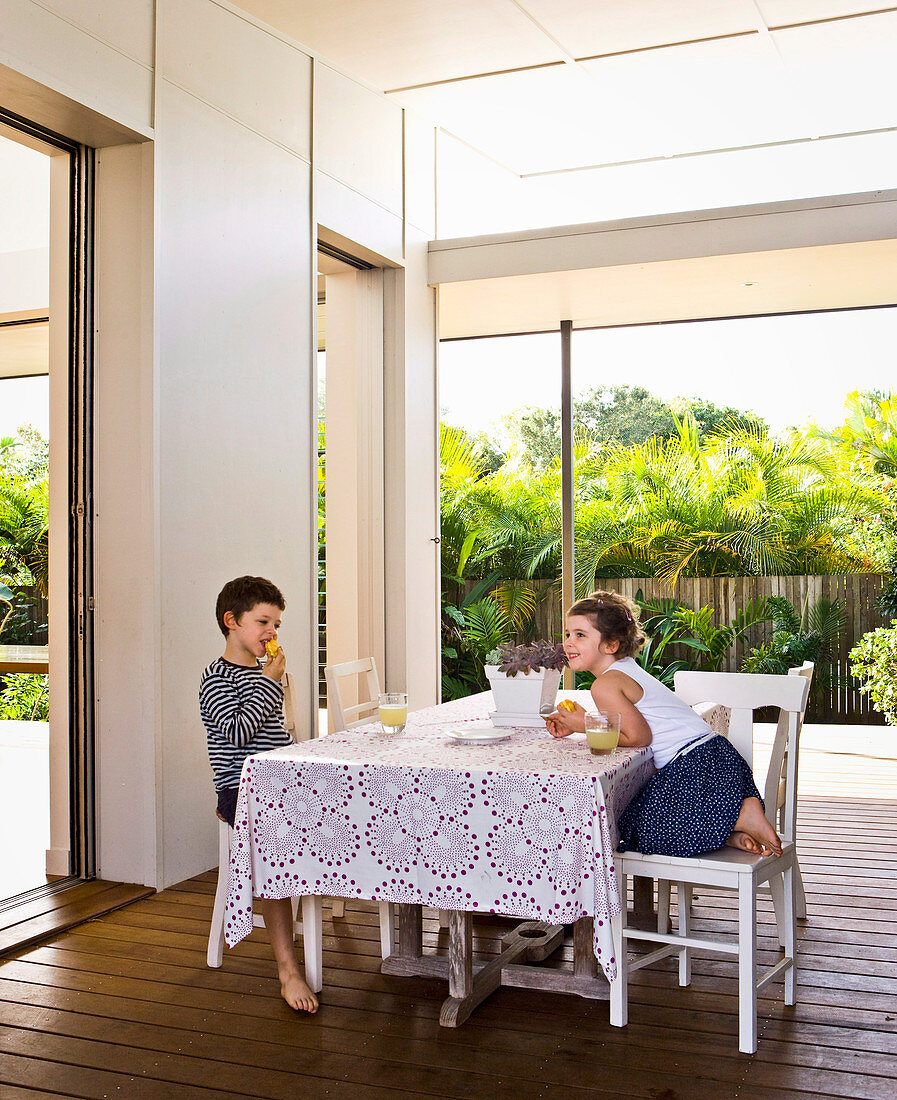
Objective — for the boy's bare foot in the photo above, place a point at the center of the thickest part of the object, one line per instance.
(297, 994)
(752, 822)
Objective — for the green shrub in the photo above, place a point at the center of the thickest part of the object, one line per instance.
(887, 601)
(797, 638)
(874, 663)
(24, 698)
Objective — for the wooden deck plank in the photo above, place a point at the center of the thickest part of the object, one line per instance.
(36, 921)
(47, 903)
(125, 1005)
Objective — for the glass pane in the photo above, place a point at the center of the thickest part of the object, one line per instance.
(24, 509)
(500, 499)
(723, 463)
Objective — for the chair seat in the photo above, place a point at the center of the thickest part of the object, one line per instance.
(731, 862)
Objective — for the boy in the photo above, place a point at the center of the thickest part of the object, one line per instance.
(241, 703)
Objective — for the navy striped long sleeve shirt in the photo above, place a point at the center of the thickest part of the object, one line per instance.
(242, 711)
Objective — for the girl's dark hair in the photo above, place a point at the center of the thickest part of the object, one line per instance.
(616, 619)
(242, 594)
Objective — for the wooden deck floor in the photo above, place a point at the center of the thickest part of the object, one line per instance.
(125, 1005)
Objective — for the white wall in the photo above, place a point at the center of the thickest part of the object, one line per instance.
(363, 196)
(126, 623)
(233, 329)
(354, 442)
(205, 387)
(80, 66)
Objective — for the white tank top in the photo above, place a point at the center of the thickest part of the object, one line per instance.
(673, 723)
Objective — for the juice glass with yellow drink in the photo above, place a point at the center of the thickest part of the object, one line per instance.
(602, 732)
(393, 711)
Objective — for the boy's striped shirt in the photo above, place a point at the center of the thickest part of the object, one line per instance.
(242, 711)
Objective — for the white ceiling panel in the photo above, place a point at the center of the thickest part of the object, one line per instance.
(664, 102)
(706, 95)
(608, 26)
(24, 349)
(779, 13)
(396, 43)
(526, 121)
(683, 76)
(846, 70)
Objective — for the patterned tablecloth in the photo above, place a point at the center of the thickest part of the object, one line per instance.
(525, 827)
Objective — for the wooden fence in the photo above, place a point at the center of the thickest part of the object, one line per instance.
(29, 617)
(837, 701)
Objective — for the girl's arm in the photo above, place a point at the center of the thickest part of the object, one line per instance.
(613, 693)
(617, 693)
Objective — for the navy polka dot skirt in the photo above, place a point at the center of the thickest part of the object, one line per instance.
(691, 805)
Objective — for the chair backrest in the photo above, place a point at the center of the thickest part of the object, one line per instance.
(289, 710)
(347, 717)
(781, 783)
(743, 693)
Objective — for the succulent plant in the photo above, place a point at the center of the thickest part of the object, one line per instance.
(533, 657)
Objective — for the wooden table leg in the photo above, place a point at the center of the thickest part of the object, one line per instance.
(585, 965)
(411, 931)
(466, 989)
(642, 896)
(408, 958)
(460, 954)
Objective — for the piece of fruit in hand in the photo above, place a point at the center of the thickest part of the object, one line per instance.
(271, 647)
(566, 704)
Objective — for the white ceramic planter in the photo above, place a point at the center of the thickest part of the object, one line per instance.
(522, 694)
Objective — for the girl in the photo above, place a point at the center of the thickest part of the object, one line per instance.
(703, 795)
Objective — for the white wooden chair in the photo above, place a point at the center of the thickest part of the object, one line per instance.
(800, 898)
(727, 867)
(347, 717)
(719, 719)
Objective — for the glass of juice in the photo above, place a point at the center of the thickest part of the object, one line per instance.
(393, 711)
(602, 732)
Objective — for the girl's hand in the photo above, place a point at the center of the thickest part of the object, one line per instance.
(564, 722)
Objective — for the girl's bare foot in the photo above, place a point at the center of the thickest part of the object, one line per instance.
(752, 821)
(297, 994)
(745, 843)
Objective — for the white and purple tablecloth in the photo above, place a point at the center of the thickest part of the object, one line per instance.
(524, 827)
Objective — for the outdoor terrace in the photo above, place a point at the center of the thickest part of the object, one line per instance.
(126, 1006)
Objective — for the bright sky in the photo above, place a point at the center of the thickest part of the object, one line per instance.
(788, 369)
(24, 401)
(24, 226)
(24, 198)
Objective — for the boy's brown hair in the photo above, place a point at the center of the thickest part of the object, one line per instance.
(615, 617)
(242, 594)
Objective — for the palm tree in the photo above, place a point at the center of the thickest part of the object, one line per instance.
(869, 431)
(24, 530)
(739, 504)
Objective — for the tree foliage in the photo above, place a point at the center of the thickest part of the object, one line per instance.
(621, 415)
(24, 509)
(874, 663)
(734, 502)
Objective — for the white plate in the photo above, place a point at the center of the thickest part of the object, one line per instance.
(478, 735)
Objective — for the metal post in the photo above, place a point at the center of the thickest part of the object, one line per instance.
(567, 591)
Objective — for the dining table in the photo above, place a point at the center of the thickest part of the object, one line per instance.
(525, 827)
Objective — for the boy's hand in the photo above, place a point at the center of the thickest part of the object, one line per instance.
(564, 722)
(275, 666)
